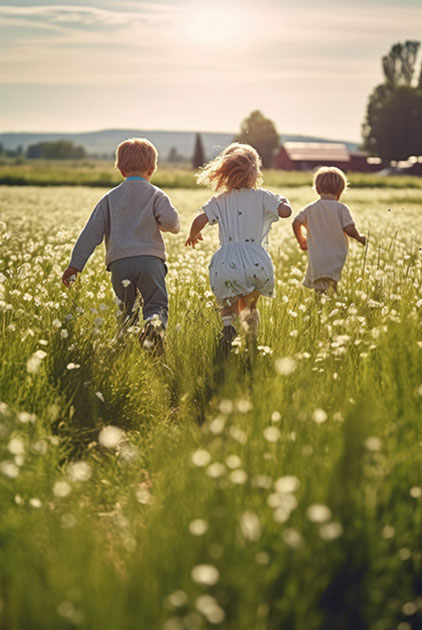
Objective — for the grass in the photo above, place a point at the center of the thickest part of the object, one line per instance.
(280, 489)
(101, 173)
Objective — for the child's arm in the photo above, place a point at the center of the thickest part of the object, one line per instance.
(166, 214)
(284, 209)
(195, 231)
(297, 229)
(351, 231)
(90, 237)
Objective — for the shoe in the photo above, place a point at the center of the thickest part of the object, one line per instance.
(152, 336)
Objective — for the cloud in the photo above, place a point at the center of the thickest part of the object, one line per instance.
(85, 16)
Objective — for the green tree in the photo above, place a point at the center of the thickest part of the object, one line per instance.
(198, 158)
(260, 132)
(57, 150)
(392, 128)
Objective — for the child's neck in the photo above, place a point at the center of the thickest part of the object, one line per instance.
(328, 196)
(142, 174)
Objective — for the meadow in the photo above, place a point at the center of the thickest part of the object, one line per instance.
(278, 488)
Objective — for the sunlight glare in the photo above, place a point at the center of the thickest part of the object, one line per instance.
(212, 25)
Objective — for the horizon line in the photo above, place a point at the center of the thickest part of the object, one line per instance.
(169, 131)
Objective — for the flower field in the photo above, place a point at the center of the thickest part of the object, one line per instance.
(278, 489)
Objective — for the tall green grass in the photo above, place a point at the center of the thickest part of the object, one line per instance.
(278, 488)
(101, 173)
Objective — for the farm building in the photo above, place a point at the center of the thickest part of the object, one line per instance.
(306, 156)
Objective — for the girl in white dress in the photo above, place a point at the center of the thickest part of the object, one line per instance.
(241, 270)
(328, 223)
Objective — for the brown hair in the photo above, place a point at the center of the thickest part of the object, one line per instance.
(238, 166)
(330, 180)
(136, 154)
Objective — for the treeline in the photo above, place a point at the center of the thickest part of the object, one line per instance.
(57, 150)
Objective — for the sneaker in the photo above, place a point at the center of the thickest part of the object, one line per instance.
(152, 336)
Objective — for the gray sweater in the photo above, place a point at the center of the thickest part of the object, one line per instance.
(129, 218)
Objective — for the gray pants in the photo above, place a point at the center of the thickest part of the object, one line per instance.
(146, 274)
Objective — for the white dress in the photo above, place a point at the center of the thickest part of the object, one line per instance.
(325, 221)
(242, 264)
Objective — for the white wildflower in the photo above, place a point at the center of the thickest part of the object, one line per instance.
(233, 461)
(319, 416)
(238, 477)
(250, 526)
(79, 471)
(198, 527)
(287, 484)
(72, 366)
(201, 458)
(272, 434)
(34, 361)
(110, 436)
(292, 538)
(9, 469)
(318, 513)
(216, 470)
(61, 488)
(331, 531)
(285, 366)
(373, 444)
(205, 574)
(16, 446)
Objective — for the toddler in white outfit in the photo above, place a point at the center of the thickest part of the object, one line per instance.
(328, 223)
(241, 270)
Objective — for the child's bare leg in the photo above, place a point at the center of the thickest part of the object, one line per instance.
(248, 312)
(229, 312)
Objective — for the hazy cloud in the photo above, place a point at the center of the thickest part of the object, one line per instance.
(85, 16)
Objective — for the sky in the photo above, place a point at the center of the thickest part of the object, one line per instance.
(308, 65)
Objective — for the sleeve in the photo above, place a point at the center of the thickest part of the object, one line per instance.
(271, 201)
(346, 216)
(165, 213)
(302, 217)
(91, 236)
(212, 210)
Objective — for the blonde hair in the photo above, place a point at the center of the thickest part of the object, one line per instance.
(238, 166)
(136, 154)
(330, 180)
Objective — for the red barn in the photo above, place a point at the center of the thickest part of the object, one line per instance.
(306, 156)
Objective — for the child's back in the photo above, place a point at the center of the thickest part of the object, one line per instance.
(327, 243)
(129, 217)
(328, 222)
(244, 215)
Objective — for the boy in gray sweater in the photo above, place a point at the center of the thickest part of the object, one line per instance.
(130, 218)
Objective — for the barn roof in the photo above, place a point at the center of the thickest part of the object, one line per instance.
(317, 151)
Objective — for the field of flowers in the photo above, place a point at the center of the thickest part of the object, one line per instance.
(280, 488)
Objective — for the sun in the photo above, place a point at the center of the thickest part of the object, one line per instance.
(212, 25)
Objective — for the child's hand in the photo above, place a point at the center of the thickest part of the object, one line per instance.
(69, 276)
(303, 245)
(193, 240)
(362, 240)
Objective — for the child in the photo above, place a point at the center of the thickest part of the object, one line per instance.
(241, 270)
(327, 222)
(129, 218)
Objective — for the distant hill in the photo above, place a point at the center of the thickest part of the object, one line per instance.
(103, 143)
